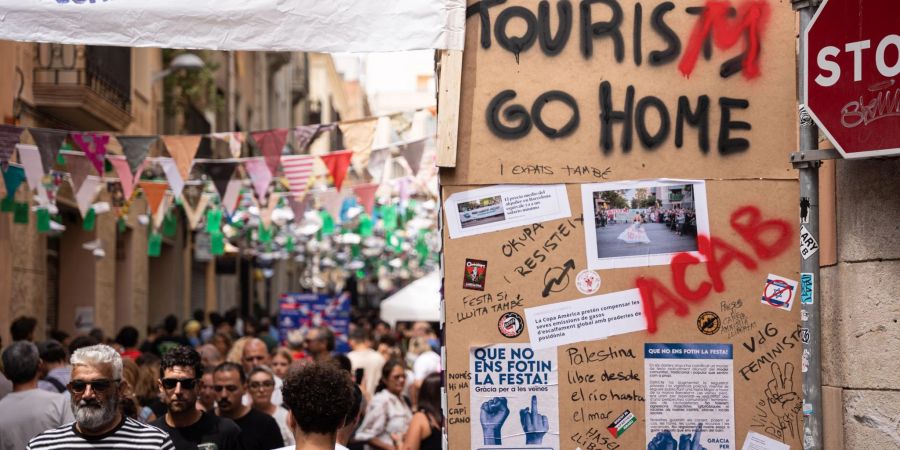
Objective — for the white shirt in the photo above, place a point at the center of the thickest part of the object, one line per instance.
(427, 363)
(385, 414)
(371, 363)
(281, 417)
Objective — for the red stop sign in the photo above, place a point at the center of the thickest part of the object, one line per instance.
(852, 62)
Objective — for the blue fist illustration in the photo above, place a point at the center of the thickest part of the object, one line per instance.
(534, 424)
(493, 414)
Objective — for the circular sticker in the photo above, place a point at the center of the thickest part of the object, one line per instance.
(587, 282)
(709, 323)
(511, 324)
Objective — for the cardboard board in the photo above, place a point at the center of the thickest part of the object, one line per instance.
(600, 379)
(529, 83)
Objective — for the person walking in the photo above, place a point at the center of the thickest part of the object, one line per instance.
(55, 368)
(179, 377)
(262, 384)
(364, 357)
(259, 431)
(256, 354)
(95, 388)
(388, 413)
(425, 428)
(27, 410)
(320, 399)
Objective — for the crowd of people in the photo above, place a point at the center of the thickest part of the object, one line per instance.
(224, 384)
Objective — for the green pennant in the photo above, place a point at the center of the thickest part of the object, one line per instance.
(21, 214)
(170, 224)
(8, 204)
(355, 251)
(90, 221)
(213, 220)
(121, 225)
(154, 244)
(366, 227)
(107, 166)
(327, 223)
(43, 220)
(216, 243)
(60, 159)
(289, 245)
(264, 234)
(389, 216)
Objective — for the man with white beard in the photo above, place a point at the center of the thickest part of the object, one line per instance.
(96, 387)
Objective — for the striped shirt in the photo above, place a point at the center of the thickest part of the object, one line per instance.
(130, 434)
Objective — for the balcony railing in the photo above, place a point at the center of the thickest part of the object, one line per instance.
(71, 80)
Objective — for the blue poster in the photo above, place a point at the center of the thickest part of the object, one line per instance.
(305, 311)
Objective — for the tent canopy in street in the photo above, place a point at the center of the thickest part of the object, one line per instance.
(418, 301)
(270, 25)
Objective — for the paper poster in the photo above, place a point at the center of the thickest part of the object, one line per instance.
(690, 396)
(586, 319)
(756, 441)
(300, 312)
(514, 397)
(502, 207)
(642, 223)
(84, 318)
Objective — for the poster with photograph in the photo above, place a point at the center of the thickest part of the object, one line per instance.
(502, 207)
(690, 396)
(514, 395)
(642, 223)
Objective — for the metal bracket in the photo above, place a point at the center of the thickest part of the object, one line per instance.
(815, 157)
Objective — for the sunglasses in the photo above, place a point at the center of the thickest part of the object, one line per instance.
(186, 383)
(230, 388)
(78, 386)
(261, 384)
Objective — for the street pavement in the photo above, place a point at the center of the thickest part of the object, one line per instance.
(662, 240)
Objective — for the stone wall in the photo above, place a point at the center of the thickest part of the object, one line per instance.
(861, 304)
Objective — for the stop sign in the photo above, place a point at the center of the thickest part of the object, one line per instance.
(852, 60)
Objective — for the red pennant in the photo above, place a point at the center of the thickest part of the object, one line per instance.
(337, 164)
(271, 142)
(154, 191)
(366, 195)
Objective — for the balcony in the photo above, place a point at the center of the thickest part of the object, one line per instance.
(675, 197)
(86, 87)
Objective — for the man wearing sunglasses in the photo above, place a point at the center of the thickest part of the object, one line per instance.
(179, 384)
(96, 387)
(259, 431)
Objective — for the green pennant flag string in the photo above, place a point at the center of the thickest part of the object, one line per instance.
(21, 214)
(169, 225)
(366, 227)
(90, 221)
(43, 220)
(154, 244)
(216, 243)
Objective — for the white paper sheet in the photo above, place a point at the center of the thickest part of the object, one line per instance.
(271, 25)
(756, 441)
(587, 319)
(502, 207)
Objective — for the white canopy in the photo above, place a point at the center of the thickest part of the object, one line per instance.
(418, 301)
(272, 25)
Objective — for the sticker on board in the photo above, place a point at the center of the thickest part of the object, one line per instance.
(475, 274)
(779, 292)
(643, 223)
(496, 208)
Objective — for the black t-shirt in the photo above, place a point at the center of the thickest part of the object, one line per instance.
(209, 429)
(259, 431)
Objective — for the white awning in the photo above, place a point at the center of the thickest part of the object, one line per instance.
(271, 25)
(418, 301)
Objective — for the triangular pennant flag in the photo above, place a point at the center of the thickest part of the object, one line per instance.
(194, 211)
(94, 147)
(48, 142)
(176, 182)
(154, 191)
(79, 167)
(265, 214)
(13, 176)
(30, 157)
(9, 137)
(136, 149)
(260, 176)
(337, 163)
(366, 195)
(128, 178)
(377, 161)
(160, 213)
(400, 123)
(306, 134)
(297, 170)
(234, 139)
(358, 137)
(221, 173)
(332, 200)
(403, 189)
(231, 197)
(271, 143)
(183, 149)
(191, 195)
(86, 194)
(298, 206)
(412, 152)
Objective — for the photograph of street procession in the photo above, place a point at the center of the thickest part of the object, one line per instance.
(642, 223)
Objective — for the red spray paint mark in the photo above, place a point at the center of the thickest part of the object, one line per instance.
(768, 238)
(726, 32)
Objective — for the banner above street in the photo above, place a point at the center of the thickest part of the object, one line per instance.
(271, 25)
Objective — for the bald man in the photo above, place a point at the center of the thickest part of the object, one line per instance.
(257, 354)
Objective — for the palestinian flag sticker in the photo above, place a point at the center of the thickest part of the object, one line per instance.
(625, 420)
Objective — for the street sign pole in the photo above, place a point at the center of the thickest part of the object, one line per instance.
(811, 363)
